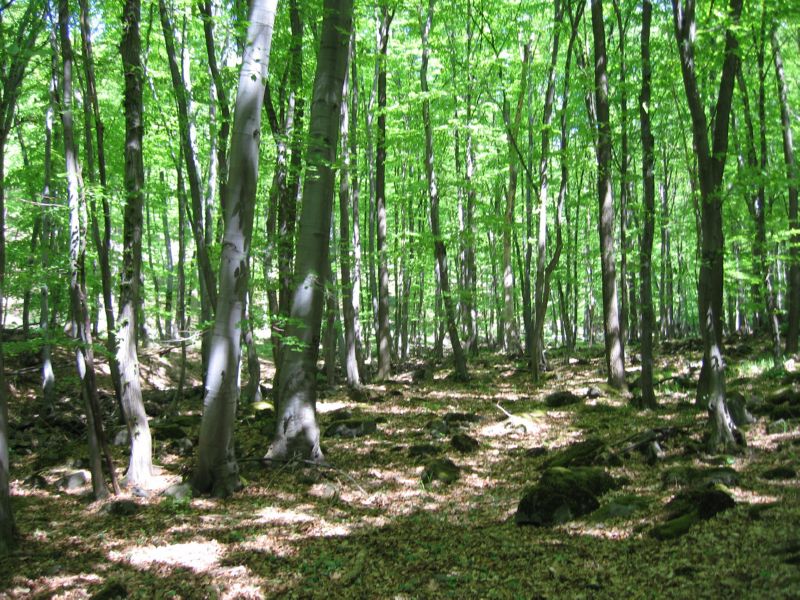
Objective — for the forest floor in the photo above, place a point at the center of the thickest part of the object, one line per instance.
(368, 527)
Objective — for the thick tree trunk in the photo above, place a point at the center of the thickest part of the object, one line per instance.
(615, 359)
(723, 432)
(440, 252)
(794, 223)
(648, 398)
(383, 333)
(217, 471)
(297, 433)
(140, 466)
(81, 331)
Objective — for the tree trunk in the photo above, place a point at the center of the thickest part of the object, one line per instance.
(723, 432)
(217, 471)
(440, 252)
(383, 333)
(794, 223)
(351, 349)
(297, 433)
(81, 331)
(140, 466)
(648, 398)
(615, 358)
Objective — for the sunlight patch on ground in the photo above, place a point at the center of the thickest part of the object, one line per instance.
(197, 556)
(326, 407)
(58, 586)
(281, 516)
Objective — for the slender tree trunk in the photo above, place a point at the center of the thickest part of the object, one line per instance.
(511, 333)
(297, 432)
(140, 466)
(648, 398)
(794, 223)
(170, 266)
(384, 336)
(723, 432)
(81, 331)
(180, 303)
(217, 471)
(351, 349)
(440, 252)
(615, 358)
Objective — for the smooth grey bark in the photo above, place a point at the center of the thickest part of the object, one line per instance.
(648, 398)
(297, 432)
(81, 330)
(615, 358)
(140, 465)
(723, 433)
(217, 471)
(349, 316)
(440, 251)
(666, 281)
(383, 333)
(794, 223)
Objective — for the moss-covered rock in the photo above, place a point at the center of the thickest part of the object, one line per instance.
(441, 469)
(464, 443)
(351, 428)
(592, 451)
(561, 398)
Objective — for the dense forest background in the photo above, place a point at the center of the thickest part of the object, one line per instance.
(269, 205)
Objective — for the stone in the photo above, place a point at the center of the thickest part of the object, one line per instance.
(591, 451)
(351, 428)
(563, 494)
(112, 590)
(687, 475)
(36, 482)
(324, 491)
(622, 507)
(122, 508)
(593, 393)
(441, 469)
(464, 443)
(779, 426)
(423, 450)
(674, 528)
(178, 491)
(560, 399)
(781, 472)
(122, 437)
(707, 501)
(737, 407)
(74, 481)
(437, 427)
(183, 446)
(460, 419)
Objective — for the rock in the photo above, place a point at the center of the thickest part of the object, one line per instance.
(74, 481)
(112, 590)
(340, 414)
(122, 508)
(420, 374)
(563, 494)
(687, 475)
(464, 443)
(674, 528)
(592, 393)
(359, 394)
(437, 427)
(781, 472)
(591, 451)
(36, 482)
(351, 428)
(183, 446)
(167, 431)
(779, 426)
(622, 507)
(460, 419)
(122, 437)
(737, 407)
(536, 452)
(562, 398)
(178, 491)
(324, 491)
(441, 469)
(423, 450)
(706, 501)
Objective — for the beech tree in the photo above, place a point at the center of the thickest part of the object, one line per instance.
(217, 471)
(297, 432)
